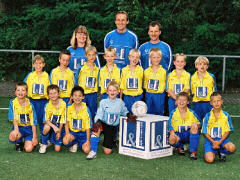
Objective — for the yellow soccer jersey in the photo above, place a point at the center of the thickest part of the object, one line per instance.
(55, 115)
(78, 121)
(25, 116)
(176, 122)
(203, 88)
(106, 77)
(216, 128)
(178, 83)
(131, 82)
(88, 79)
(64, 80)
(155, 82)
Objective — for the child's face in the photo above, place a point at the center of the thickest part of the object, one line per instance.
(182, 101)
(201, 67)
(21, 92)
(155, 58)
(77, 97)
(38, 66)
(53, 94)
(109, 56)
(216, 102)
(112, 92)
(91, 56)
(134, 58)
(64, 60)
(81, 37)
(179, 62)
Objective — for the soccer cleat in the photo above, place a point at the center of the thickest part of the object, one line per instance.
(193, 156)
(49, 144)
(43, 149)
(222, 157)
(73, 148)
(91, 155)
(19, 147)
(181, 151)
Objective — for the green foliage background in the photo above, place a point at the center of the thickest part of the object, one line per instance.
(192, 27)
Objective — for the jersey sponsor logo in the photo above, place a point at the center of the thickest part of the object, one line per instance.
(132, 83)
(24, 118)
(112, 118)
(120, 52)
(153, 84)
(106, 81)
(38, 89)
(216, 132)
(76, 124)
(55, 119)
(90, 82)
(134, 134)
(178, 88)
(78, 62)
(201, 91)
(159, 135)
(62, 84)
(183, 128)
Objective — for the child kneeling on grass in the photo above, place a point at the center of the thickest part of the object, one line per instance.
(217, 126)
(184, 126)
(22, 114)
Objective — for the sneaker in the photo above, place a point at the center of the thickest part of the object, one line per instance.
(193, 156)
(185, 147)
(43, 149)
(49, 143)
(19, 147)
(73, 148)
(181, 151)
(91, 155)
(222, 157)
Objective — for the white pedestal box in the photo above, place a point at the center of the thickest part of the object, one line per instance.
(147, 138)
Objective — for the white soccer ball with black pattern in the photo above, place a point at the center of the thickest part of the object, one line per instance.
(139, 108)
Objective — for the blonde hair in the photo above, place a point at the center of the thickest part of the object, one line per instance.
(110, 50)
(90, 48)
(134, 51)
(202, 59)
(155, 50)
(114, 84)
(38, 58)
(80, 29)
(180, 54)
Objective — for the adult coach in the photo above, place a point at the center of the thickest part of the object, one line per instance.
(154, 31)
(121, 39)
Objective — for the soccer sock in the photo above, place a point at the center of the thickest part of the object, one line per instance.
(44, 139)
(178, 145)
(224, 151)
(94, 140)
(193, 142)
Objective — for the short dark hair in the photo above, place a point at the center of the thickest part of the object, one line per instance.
(21, 84)
(184, 94)
(51, 87)
(77, 88)
(122, 12)
(64, 51)
(215, 94)
(155, 23)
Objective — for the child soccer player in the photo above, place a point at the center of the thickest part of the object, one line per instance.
(203, 84)
(37, 82)
(87, 77)
(22, 114)
(217, 126)
(63, 76)
(109, 72)
(155, 83)
(131, 80)
(183, 126)
(178, 80)
(54, 118)
(109, 113)
(77, 128)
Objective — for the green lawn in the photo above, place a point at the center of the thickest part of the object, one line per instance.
(66, 165)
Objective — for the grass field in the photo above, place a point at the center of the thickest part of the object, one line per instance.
(66, 165)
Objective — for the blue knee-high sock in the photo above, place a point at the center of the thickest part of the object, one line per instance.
(193, 142)
(44, 139)
(94, 143)
(178, 145)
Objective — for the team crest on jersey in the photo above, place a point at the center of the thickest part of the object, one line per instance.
(111, 41)
(146, 51)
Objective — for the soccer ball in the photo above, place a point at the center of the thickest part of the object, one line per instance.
(139, 108)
